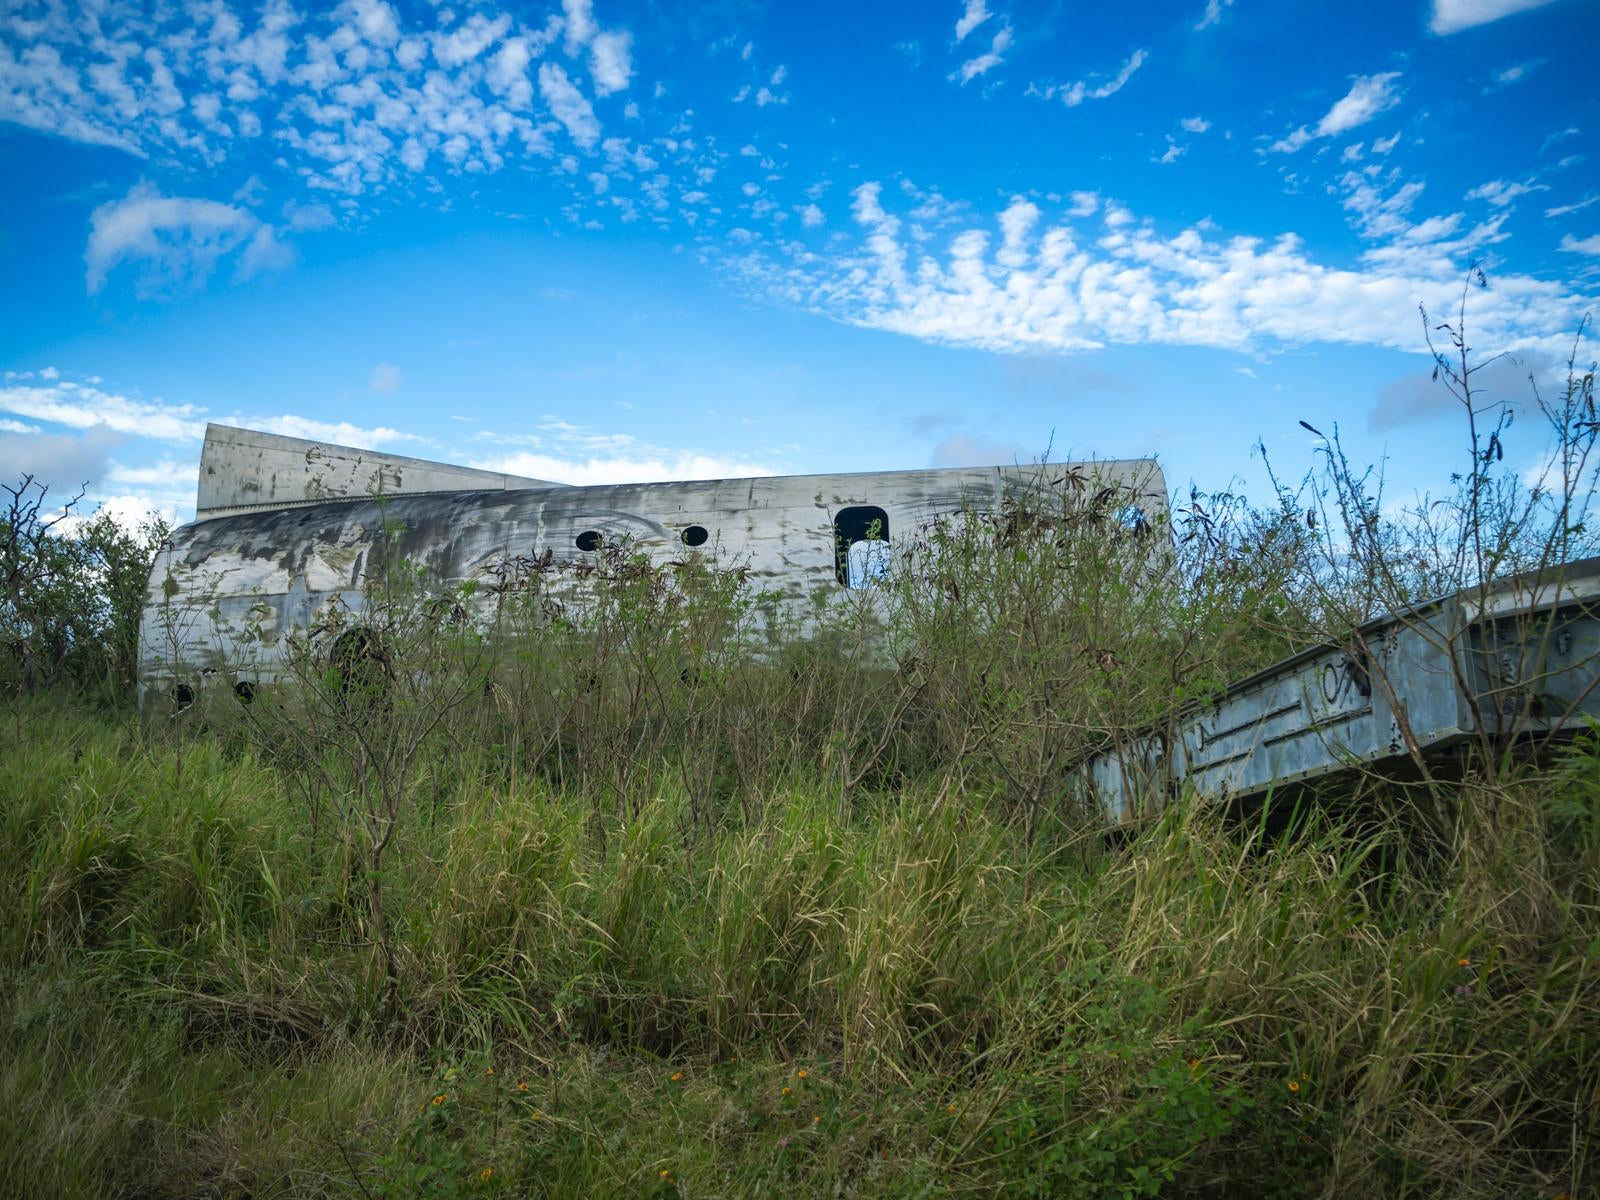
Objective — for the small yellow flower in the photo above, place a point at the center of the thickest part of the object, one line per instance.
(816, 1120)
(950, 1108)
(801, 1073)
(1463, 962)
(488, 1070)
(1194, 1064)
(665, 1173)
(438, 1100)
(486, 1174)
(1306, 1078)
(785, 1091)
(677, 1077)
(523, 1086)
(1294, 1085)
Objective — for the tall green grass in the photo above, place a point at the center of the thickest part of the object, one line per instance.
(189, 1002)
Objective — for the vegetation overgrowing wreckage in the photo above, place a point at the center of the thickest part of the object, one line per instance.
(599, 901)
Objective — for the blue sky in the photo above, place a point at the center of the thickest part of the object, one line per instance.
(600, 241)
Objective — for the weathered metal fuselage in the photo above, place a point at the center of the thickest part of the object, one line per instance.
(233, 585)
(1520, 660)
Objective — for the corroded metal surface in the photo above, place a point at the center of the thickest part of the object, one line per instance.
(230, 587)
(1527, 662)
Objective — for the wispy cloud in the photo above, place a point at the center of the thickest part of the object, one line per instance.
(576, 454)
(385, 379)
(1074, 94)
(177, 240)
(975, 14)
(1562, 210)
(79, 405)
(568, 104)
(1212, 15)
(982, 63)
(1368, 96)
(1452, 16)
(1515, 73)
(1500, 193)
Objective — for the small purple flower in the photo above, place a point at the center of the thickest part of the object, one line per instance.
(783, 1141)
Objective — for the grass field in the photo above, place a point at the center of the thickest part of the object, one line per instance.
(909, 995)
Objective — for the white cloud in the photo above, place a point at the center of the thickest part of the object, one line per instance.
(307, 217)
(1075, 94)
(568, 104)
(1212, 14)
(811, 216)
(1515, 73)
(376, 21)
(178, 240)
(476, 34)
(385, 378)
(1451, 16)
(1038, 286)
(983, 63)
(1173, 152)
(648, 468)
(1083, 204)
(611, 62)
(41, 91)
(84, 407)
(1500, 193)
(1562, 210)
(342, 433)
(100, 423)
(507, 73)
(576, 454)
(580, 23)
(1588, 245)
(1368, 96)
(1194, 124)
(975, 14)
(352, 100)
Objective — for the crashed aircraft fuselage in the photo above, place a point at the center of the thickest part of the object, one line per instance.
(285, 527)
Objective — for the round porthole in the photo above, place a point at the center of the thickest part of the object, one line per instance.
(589, 540)
(245, 690)
(695, 535)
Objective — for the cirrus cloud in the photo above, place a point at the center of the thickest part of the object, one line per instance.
(1368, 96)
